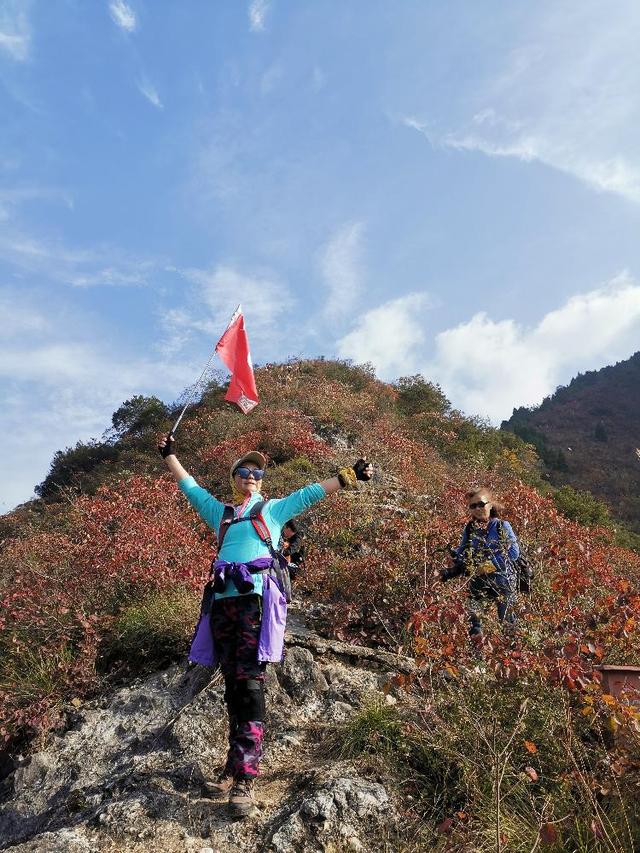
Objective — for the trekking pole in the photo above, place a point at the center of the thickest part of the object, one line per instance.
(192, 394)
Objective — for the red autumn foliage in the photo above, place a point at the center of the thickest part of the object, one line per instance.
(60, 590)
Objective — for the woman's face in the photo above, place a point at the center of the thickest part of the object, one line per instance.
(246, 482)
(480, 507)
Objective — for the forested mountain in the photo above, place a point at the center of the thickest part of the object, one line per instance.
(587, 433)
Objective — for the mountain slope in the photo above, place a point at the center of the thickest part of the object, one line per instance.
(587, 434)
(100, 584)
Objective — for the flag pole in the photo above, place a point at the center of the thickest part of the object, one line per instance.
(202, 375)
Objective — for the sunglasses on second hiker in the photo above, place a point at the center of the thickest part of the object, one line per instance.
(478, 505)
(258, 473)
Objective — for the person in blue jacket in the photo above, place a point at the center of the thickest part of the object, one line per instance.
(243, 625)
(487, 552)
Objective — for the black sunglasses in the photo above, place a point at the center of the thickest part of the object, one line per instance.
(258, 473)
(478, 505)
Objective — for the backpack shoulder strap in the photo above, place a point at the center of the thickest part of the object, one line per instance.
(466, 533)
(259, 524)
(228, 515)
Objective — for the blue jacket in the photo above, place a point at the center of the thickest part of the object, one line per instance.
(241, 542)
(500, 546)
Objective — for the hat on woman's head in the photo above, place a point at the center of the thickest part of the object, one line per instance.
(252, 456)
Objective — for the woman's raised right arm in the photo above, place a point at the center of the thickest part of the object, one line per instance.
(207, 507)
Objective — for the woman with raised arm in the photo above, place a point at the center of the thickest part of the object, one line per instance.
(244, 608)
(487, 552)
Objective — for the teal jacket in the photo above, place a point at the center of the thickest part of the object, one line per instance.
(241, 542)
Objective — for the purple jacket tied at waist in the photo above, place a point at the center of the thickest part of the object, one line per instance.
(274, 613)
(239, 573)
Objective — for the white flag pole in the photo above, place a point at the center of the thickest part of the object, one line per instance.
(195, 387)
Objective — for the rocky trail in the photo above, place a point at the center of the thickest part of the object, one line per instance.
(127, 774)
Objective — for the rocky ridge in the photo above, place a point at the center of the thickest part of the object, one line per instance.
(127, 775)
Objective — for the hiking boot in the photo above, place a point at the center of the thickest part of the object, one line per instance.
(241, 798)
(220, 788)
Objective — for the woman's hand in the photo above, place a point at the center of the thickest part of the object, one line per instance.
(363, 470)
(167, 449)
(166, 445)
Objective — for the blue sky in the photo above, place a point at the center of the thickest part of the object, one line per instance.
(445, 188)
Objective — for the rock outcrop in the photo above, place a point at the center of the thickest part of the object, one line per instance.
(128, 773)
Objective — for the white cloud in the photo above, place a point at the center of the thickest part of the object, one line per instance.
(489, 366)
(15, 32)
(564, 96)
(271, 78)
(258, 11)
(11, 198)
(390, 336)
(266, 302)
(60, 385)
(123, 15)
(318, 79)
(340, 265)
(149, 91)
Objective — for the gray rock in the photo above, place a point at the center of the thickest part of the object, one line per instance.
(63, 841)
(33, 773)
(300, 676)
(128, 776)
(338, 809)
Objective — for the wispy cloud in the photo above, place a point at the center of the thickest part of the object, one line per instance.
(564, 96)
(340, 265)
(12, 198)
(103, 266)
(258, 11)
(613, 174)
(60, 382)
(215, 295)
(15, 31)
(123, 15)
(149, 91)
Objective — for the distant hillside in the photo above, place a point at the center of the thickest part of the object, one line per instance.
(587, 433)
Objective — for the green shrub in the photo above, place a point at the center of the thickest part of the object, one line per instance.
(76, 467)
(292, 475)
(416, 395)
(582, 507)
(153, 632)
(139, 414)
(375, 729)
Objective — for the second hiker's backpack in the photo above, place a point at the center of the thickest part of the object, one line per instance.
(524, 570)
(279, 568)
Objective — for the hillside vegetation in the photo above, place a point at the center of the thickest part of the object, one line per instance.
(511, 747)
(587, 433)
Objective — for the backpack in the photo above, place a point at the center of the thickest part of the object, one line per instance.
(524, 570)
(280, 568)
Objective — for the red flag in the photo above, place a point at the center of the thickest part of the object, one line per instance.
(233, 349)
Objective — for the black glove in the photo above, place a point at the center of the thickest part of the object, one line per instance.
(167, 448)
(458, 568)
(360, 469)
